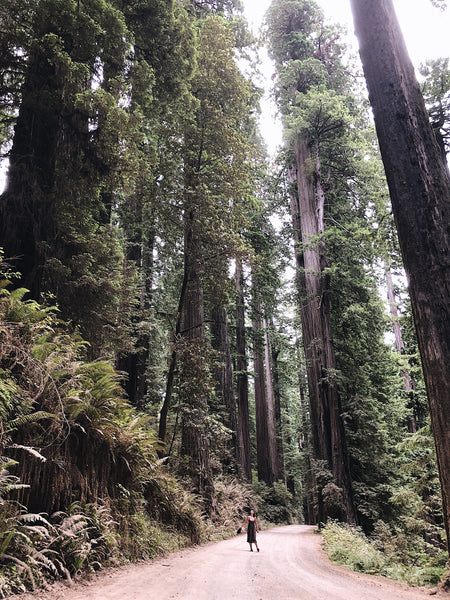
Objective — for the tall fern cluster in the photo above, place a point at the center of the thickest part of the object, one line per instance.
(80, 481)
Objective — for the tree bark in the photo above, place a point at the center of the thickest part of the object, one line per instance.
(271, 421)
(419, 187)
(195, 442)
(327, 426)
(242, 378)
(220, 342)
(277, 406)
(264, 462)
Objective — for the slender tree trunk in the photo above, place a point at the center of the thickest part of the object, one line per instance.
(220, 342)
(419, 187)
(162, 430)
(242, 378)
(277, 406)
(271, 422)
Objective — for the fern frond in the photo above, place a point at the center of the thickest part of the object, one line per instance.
(34, 518)
(41, 559)
(30, 450)
(5, 543)
(23, 565)
(30, 418)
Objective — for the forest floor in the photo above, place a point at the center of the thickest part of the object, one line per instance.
(291, 565)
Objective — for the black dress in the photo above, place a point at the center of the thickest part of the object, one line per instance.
(251, 532)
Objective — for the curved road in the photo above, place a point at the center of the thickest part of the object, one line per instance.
(290, 566)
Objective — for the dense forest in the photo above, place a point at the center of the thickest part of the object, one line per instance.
(189, 330)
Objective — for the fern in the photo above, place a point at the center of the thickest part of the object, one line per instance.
(22, 565)
(30, 450)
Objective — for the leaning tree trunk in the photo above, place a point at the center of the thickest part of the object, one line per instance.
(328, 429)
(242, 378)
(419, 187)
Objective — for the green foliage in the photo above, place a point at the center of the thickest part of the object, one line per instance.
(349, 546)
(436, 93)
(275, 503)
(86, 418)
(399, 559)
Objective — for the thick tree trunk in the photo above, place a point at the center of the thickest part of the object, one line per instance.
(419, 187)
(195, 441)
(327, 426)
(264, 462)
(312, 495)
(27, 206)
(242, 378)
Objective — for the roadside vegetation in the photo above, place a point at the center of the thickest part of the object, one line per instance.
(397, 554)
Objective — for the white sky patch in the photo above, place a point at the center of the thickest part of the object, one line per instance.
(425, 28)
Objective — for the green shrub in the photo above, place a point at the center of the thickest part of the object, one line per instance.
(349, 547)
(387, 553)
(276, 503)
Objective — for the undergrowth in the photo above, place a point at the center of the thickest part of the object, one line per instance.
(416, 562)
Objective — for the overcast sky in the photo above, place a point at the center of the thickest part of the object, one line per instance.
(426, 31)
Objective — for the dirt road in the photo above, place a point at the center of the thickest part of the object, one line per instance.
(290, 566)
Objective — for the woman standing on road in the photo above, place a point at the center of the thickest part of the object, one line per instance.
(252, 530)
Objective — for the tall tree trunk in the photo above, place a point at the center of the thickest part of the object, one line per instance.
(312, 494)
(419, 187)
(220, 342)
(27, 206)
(271, 421)
(264, 461)
(328, 429)
(195, 440)
(277, 406)
(242, 378)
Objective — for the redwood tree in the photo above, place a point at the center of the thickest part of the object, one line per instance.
(419, 187)
(307, 60)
